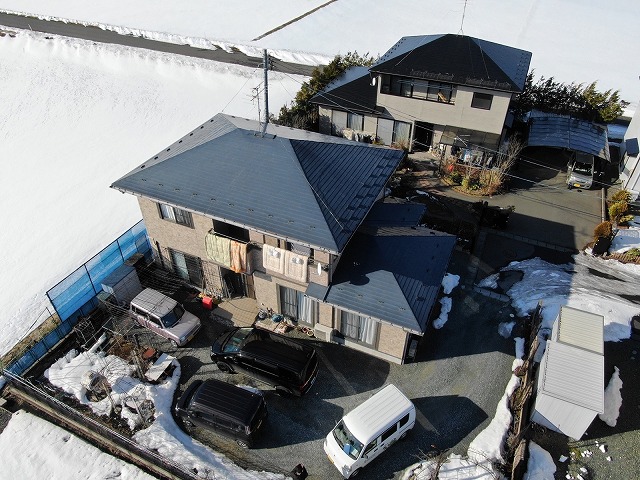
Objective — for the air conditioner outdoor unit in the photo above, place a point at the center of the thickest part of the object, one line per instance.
(324, 333)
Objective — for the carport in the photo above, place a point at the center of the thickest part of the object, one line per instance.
(562, 131)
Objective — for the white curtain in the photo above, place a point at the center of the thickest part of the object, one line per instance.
(359, 328)
(167, 212)
(307, 309)
(288, 302)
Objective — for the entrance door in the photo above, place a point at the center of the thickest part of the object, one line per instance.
(422, 136)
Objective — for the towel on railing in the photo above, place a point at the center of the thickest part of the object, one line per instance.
(238, 257)
(273, 259)
(218, 249)
(295, 266)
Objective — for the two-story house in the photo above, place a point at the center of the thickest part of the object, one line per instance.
(298, 221)
(427, 90)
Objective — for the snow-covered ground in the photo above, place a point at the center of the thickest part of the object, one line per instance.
(75, 117)
(558, 32)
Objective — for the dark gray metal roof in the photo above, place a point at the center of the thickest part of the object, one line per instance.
(310, 188)
(352, 91)
(550, 130)
(395, 212)
(457, 59)
(392, 274)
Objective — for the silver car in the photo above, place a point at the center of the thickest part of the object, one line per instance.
(164, 316)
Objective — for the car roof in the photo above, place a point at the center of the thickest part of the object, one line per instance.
(227, 400)
(154, 302)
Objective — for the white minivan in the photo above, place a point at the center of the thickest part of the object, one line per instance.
(164, 316)
(369, 429)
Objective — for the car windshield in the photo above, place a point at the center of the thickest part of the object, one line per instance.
(234, 342)
(583, 168)
(173, 317)
(348, 443)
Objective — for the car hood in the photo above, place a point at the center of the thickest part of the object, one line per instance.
(187, 324)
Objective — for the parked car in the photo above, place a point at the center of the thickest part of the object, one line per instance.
(290, 366)
(580, 170)
(369, 429)
(223, 408)
(164, 316)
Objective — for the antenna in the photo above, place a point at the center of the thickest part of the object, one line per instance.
(464, 10)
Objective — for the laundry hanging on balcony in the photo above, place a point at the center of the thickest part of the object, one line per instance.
(238, 256)
(295, 266)
(218, 249)
(273, 259)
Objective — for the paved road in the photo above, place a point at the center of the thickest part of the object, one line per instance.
(106, 36)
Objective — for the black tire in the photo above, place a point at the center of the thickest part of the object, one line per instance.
(355, 473)
(242, 444)
(224, 367)
(404, 435)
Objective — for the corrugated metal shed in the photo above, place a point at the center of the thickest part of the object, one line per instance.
(580, 329)
(560, 131)
(392, 274)
(309, 188)
(457, 59)
(352, 91)
(573, 375)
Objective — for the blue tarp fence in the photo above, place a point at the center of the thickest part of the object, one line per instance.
(75, 296)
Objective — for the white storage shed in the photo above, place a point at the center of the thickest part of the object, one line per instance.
(570, 385)
(123, 283)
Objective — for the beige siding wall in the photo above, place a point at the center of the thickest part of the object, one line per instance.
(392, 340)
(173, 235)
(461, 114)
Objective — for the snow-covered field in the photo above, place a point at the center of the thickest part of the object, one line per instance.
(75, 117)
(573, 41)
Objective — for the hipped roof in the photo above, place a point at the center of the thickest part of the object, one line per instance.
(305, 187)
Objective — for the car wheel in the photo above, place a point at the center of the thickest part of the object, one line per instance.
(224, 367)
(355, 473)
(242, 444)
(404, 435)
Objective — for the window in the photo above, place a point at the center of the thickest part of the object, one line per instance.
(356, 327)
(188, 267)
(390, 431)
(355, 121)
(297, 305)
(404, 420)
(421, 89)
(175, 215)
(481, 100)
(401, 132)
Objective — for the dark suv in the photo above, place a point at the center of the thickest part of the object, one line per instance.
(224, 408)
(290, 366)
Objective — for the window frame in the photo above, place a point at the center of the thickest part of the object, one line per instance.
(480, 100)
(196, 262)
(426, 90)
(175, 215)
(350, 121)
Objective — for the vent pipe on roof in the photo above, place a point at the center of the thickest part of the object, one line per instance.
(265, 66)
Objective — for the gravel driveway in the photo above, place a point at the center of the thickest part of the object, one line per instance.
(456, 382)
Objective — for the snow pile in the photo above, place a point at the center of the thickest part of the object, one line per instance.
(445, 308)
(625, 240)
(449, 282)
(455, 467)
(58, 455)
(490, 281)
(612, 399)
(574, 285)
(505, 328)
(163, 435)
(540, 465)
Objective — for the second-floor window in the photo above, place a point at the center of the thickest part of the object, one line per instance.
(416, 88)
(176, 215)
(482, 100)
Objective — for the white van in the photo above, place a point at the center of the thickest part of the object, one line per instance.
(580, 171)
(369, 429)
(164, 316)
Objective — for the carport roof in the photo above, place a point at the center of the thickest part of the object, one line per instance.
(549, 130)
(392, 274)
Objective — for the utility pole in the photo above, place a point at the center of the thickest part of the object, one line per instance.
(265, 66)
